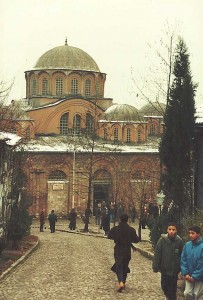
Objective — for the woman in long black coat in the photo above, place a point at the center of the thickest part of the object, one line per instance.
(123, 236)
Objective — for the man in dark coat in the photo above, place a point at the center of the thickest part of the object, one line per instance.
(42, 220)
(72, 218)
(52, 221)
(123, 236)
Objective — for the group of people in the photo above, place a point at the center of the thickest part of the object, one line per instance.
(172, 256)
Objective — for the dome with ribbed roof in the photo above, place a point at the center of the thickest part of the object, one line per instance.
(122, 112)
(67, 57)
(153, 109)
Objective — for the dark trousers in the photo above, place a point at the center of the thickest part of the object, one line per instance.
(121, 273)
(41, 226)
(169, 286)
(52, 227)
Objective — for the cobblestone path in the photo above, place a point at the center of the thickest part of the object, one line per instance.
(70, 266)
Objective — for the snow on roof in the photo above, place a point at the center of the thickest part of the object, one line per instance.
(11, 139)
(66, 144)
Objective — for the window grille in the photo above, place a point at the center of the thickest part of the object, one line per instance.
(88, 87)
(64, 124)
(59, 86)
(44, 86)
(74, 86)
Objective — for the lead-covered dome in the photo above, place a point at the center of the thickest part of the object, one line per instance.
(67, 57)
(122, 112)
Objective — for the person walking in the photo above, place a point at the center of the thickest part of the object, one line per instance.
(123, 236)
(72, 219)
(52, 221)
(192, 265)
(42, 221)
(167, 260)
(98, 214)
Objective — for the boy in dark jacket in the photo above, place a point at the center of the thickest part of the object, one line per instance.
(123, 236)
(167, 260)
(192, 265)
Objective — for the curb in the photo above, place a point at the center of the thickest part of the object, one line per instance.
(20, 260)
(145, 253)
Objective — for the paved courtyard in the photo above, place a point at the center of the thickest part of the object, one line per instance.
(74, 266)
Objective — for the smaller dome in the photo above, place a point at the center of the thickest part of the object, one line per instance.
(153, 109)
(122, 112)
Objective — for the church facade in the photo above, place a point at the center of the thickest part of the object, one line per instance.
(80, 146)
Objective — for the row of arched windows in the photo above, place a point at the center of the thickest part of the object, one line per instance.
(128, 135)
(59, 87)
(77, 129)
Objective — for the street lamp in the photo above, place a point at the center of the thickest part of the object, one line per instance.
(160, 199)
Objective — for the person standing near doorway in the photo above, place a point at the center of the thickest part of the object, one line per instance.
(52, 221)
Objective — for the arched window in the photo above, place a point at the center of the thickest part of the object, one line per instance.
(105, 134)
(77, 124)
(89, 124)
(27, 133)
(59, 86)
(34, 86)
(97, 89)
(44, 86)
(139, 135)
(74, 86)
(128, 135)
(115, 134)
(64, 124)
(88, 87)
(152, 129)
(57, 175)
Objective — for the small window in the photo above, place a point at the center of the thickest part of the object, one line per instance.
(152, 129)
(44, 86)
(97, 89)
(128, 135)
(105, 134)
(139, 135)
(115, 133)
(57, 175)
(27, 133)
(88, 87)
(64, 124)
(34, 87)
(74, 86)
(59, 86)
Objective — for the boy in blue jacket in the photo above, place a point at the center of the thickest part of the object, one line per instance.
(192, 265)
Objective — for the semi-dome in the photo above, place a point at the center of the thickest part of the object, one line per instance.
(153, 109)
(122, 112)
(67, 57)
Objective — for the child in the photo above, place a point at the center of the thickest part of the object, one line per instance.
(167, 260)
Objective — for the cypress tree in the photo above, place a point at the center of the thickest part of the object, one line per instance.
(176, 148)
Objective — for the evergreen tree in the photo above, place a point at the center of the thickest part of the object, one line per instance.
(176, 148)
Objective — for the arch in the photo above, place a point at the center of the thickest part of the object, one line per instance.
(57, 175)
(64, 123)
(59, 86)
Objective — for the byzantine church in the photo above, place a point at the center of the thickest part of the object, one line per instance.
(80, 146)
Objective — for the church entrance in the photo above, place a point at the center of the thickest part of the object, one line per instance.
(102, 188)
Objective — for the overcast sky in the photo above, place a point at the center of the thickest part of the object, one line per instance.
(116, 33)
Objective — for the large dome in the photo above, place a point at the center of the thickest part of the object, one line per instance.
(122, 112)
(67, 57)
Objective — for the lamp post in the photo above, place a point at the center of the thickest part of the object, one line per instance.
(160, 199)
